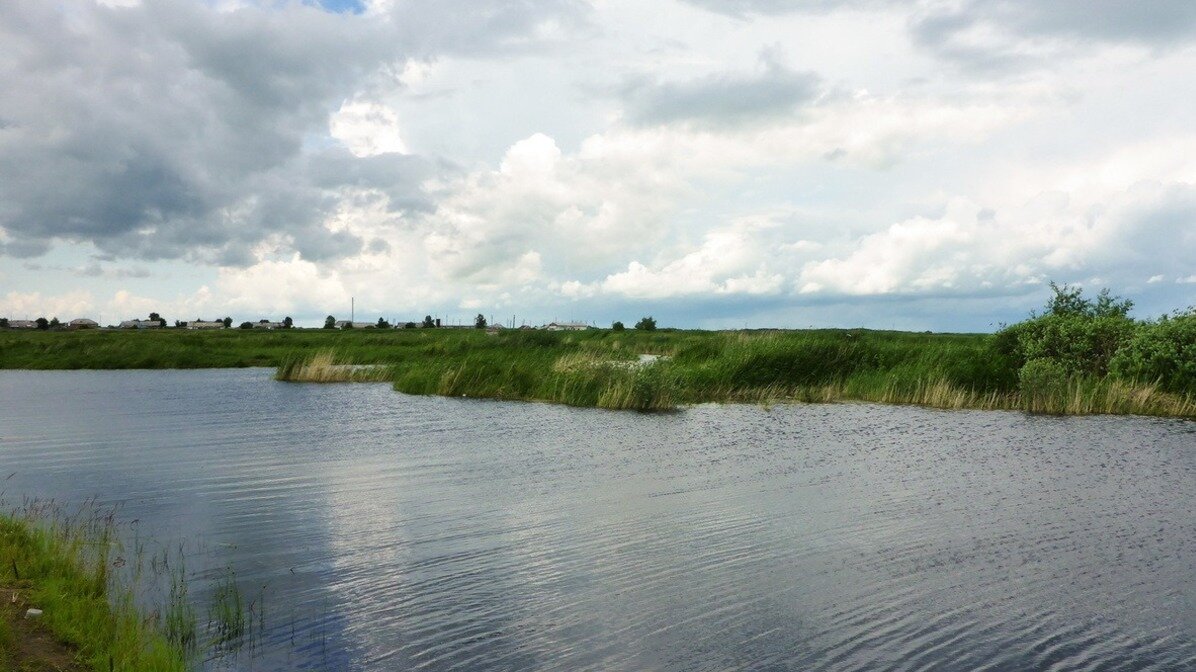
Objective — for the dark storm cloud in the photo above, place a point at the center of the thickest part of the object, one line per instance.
(722, 100)
(172, 129)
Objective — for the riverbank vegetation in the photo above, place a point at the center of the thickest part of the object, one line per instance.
(1078, 355)
(63, 565)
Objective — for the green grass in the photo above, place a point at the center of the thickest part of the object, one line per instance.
(61, 564)
(596, 367)
(8, 643)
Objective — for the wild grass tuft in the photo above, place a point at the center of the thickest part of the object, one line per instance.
(226, 613)
(326, 366)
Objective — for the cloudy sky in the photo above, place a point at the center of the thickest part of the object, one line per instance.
(920, 164)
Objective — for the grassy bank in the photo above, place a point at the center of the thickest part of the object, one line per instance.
(63, 566)
(1078, 356)
(600, 369)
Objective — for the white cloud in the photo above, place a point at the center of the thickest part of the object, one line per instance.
(367, 128)
(32, 305)
(454, 156)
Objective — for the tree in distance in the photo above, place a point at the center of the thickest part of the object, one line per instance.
(42, 323)
(287, 322)
(428, 323)
(246, 325)
(228, 322)
(617, 326)
(3, 322)
(330, 322)
(409, 325)
(382, 324)
(479, 322)
(154, 317)
(646, 324)
(54, 323)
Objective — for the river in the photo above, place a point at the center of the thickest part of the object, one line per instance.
(391, 532)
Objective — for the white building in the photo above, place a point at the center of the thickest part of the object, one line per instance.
(22, 324)
(203, 324)
(267, 325)
(83, 323)
(140, 324)
(344, 324)
(566, 326)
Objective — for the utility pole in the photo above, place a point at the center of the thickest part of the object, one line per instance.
(353, 309)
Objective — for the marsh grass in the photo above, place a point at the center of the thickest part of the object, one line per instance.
(326, 366)
(226, 613)
(178, 615)
(1089, 395)
(600, 369)
(597, 368)
(61, 563)
(116, 602)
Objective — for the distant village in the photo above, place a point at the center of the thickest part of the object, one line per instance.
(155, 321)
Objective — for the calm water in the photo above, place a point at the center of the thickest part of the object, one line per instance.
(395, 533)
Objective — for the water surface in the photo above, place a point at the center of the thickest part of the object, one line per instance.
(394, 532)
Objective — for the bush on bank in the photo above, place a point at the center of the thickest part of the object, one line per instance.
(1080, 337)
(1162, 351)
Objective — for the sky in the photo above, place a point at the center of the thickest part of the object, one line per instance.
(922, 164)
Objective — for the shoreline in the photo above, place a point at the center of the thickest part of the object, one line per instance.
(62, 564)
(631, 370)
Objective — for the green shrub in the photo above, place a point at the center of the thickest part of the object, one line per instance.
(1080, 334)
(1162, 352)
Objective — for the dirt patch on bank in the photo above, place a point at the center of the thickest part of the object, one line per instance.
(25, 645)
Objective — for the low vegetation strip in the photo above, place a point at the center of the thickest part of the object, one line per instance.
(61, 566)
(1079, 355)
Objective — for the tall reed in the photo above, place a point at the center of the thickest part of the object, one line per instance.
(327, 366)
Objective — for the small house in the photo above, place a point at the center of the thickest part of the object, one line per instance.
(140, 324)
(566, 326)
(22, 324)
(83, 323)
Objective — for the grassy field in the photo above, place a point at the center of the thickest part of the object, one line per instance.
(601, 367)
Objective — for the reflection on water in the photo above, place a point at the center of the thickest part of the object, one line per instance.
(395, 532)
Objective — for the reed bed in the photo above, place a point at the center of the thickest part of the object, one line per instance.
(602, 370)
(327, 366)
(1085, 395)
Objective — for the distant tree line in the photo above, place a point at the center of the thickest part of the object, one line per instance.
(647, 323)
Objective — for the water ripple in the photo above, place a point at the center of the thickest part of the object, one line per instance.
(394, 532)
